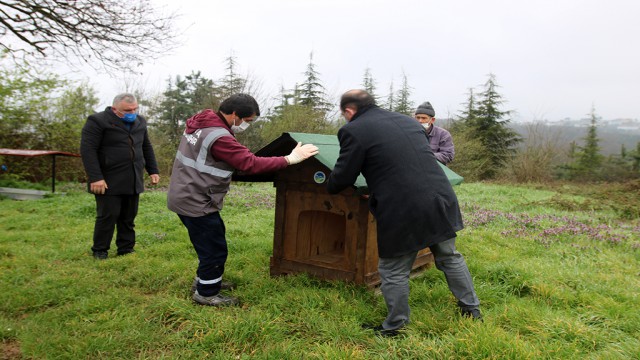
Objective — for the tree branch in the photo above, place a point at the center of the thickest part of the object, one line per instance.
(116, 33)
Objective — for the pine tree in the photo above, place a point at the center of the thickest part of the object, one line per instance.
(491, 126)
(466, 116)
(470, 112)
(232, 82)
(589, 158)
(403, 103)
(573, 150)
(369, 84)
(472, 156)
(311, 92)
(183, 98)
(303, 109)
(391, 100)
(635, 156)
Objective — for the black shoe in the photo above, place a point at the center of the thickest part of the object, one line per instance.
(100, 255)
(472, 313)
(378, 330)
(126, 252)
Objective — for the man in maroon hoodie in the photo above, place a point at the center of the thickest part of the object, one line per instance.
(207, 156)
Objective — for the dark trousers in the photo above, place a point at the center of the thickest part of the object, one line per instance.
(115, 212)
(207, 234)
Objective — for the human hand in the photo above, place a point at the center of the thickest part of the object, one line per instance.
(301, 153)
(99, 187)
(155, 179)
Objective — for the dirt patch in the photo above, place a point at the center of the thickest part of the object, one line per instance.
(10, 350)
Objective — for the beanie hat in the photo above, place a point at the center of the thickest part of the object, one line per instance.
(425, 108)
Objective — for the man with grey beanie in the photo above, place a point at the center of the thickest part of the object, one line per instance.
(440, 140)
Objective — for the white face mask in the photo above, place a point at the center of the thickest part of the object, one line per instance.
(426, 125)
(240, 128)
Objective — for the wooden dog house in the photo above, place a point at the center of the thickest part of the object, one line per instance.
(327, 236)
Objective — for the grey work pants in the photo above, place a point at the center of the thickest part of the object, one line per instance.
(394, 276)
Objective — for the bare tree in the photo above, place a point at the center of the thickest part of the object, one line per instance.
(108, 34)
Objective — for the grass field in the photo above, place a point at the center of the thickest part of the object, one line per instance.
(556, 268)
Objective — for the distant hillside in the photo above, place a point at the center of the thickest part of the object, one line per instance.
(612, 133)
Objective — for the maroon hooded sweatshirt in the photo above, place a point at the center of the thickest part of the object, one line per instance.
(229, 150)
(198, 186)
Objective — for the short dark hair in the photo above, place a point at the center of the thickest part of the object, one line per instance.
(244, 105)
(358, 98)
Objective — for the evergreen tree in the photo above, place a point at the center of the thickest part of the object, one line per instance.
(589, 158)
(573, 151)
(468, 114)
(635, 156)
(403, 103)
(232, 83)
(369, 84)
(491, 126)
(294, 118)
(311, 92)
(391, 100)
(183, 98)
(472, 156)
(304, 109)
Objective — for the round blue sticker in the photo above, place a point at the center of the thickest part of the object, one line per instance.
(319, 177)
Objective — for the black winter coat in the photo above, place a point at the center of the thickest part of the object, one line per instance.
(115, 154)
(410, 195)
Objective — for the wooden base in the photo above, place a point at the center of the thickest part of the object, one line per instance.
(322, 270)
(331, 237)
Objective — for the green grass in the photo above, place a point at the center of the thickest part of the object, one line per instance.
(556, 268)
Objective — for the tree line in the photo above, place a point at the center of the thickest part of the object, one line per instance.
(43, 111)
(39, 110)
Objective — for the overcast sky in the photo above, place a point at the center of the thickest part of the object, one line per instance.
(552, 59)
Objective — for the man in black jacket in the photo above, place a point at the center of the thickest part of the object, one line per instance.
(115, 151)
(410, 197)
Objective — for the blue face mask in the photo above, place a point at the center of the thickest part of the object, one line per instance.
(129, 118)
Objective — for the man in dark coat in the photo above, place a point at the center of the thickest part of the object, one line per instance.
(410, 197)
(115, 151)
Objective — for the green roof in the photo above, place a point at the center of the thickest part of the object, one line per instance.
(329, 151)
